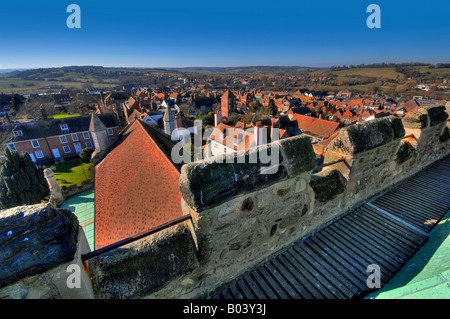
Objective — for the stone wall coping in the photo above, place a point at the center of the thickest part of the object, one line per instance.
(213, 181)
(427, 116)
(362, 137)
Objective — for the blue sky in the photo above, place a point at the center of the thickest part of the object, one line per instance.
(229, 33)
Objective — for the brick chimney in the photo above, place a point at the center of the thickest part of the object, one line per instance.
(43, 112)
(179, 121)
(257, 133)
(217, 118)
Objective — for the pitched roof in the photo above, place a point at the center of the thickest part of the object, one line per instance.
(136, 186)
(52, 127)
(410, 106)
(314, 125)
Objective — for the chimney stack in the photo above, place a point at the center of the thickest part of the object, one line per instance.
(257, 133)
(43, 112)
(217, 118)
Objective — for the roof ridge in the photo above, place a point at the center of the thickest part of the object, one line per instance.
(159, 143)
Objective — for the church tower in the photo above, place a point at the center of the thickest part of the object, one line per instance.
(169, 121)
(97, 130)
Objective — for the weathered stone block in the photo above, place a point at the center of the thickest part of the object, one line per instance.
(405, 152)
(327, 184)
(298, 155)
(39, 237)
(436, 113)
(137, 270)
(416, 120)
(397, 126)
(366, 136)
(445, 135)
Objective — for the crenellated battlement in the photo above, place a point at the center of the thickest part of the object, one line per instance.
(241, 216)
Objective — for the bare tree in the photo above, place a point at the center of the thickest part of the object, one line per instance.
(31, 108)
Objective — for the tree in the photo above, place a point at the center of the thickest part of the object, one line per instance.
(255, 106)
(271, 108)
(21, 182)
(85, 154)
(15, 104)
(31, 107)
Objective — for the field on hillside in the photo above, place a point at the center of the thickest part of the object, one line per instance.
(15, 85)
(428, 72)
(388, 73)
(391, 73)
(31, 81)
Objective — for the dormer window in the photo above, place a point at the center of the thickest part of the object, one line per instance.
(11, 147)
(18, 133)
(64, 127)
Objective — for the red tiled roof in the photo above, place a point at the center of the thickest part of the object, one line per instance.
(314, 125)
(136, 188)
(410, 106)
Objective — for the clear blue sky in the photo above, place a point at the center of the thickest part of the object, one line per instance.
(215, 33)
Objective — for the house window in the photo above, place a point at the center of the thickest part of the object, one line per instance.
(66, 149)
(110, 131)
(11, 147)
(64, 127)
(88, 144)
(63, 139)
(74, 137)
(39, 154)
(18, 133)
(35, 143)
(86, 135)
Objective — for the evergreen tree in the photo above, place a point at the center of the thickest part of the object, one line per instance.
(271, 108)
(21, 182)
(15, 104)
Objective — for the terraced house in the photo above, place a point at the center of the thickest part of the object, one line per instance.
(54, 139)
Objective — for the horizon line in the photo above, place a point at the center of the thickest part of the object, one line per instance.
(210, 67)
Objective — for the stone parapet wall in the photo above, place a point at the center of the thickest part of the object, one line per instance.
(139, 269)
(239, 233)
(242, 216)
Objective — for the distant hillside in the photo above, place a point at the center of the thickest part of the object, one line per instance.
(76, 77)
(249, 70)
(392, 71)
(80, 73)
(10, 71)
(385, 76)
